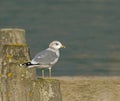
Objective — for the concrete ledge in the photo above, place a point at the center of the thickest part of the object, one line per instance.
(90, 88)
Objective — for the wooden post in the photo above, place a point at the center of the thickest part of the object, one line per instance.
(19, 83)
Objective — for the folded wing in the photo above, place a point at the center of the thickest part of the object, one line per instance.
(45, 57)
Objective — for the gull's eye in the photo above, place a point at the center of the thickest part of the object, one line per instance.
(57, 44)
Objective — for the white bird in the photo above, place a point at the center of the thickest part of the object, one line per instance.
(46, 58)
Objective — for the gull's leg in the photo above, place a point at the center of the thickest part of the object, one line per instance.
(50, 72)
(43, 73)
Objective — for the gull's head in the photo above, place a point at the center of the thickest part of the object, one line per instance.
(56, 45)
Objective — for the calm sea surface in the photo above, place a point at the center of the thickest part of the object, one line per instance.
(90, 29)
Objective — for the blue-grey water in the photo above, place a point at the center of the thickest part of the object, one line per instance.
(90, 29)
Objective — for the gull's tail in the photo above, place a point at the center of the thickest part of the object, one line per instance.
(29, 65)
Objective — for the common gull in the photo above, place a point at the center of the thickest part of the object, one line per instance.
(46, 58)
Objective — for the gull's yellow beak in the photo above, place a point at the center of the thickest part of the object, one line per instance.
(63, 46)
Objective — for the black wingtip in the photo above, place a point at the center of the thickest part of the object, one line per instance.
(27, 64)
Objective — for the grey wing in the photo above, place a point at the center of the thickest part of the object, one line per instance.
(45, 57)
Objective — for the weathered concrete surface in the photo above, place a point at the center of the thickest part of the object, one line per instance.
(12, 36)
(46, 90)
(90, 88)
(15, 80)
(9, 36)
